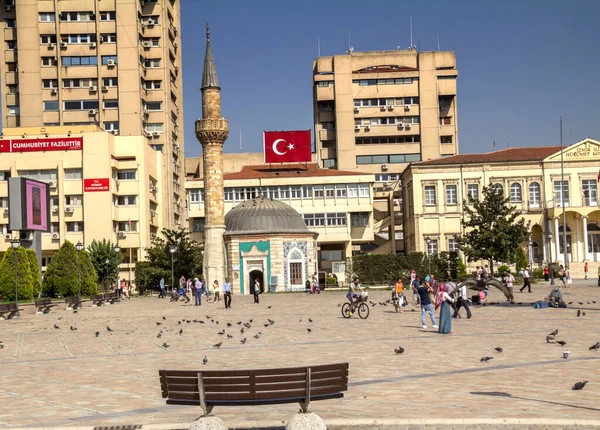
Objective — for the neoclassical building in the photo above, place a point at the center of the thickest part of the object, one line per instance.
(434, 191)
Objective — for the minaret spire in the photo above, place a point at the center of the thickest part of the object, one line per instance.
(209, 76)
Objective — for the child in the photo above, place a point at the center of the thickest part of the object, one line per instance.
(398, 292)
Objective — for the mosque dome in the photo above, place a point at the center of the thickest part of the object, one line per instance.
(263, 215)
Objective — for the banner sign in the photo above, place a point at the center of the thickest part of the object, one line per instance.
(40, 145)
(287, 146)
(99, 184)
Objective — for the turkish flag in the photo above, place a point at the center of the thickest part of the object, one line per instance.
(287, 146)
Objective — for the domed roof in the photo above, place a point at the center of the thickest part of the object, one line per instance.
(263, 215)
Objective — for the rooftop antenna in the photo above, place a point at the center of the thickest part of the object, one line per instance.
(350, 48)
(438, 37)
(318, 47)
(241, 143)
(411, 40)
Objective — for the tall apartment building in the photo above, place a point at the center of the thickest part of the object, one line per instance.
(115, 64)
(378, 111)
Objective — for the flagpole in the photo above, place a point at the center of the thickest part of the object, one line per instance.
(562, 194)
(130, 259)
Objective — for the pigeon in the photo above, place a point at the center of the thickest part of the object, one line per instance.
(271, 322)
(221, 333)
(73, 328)
(250, 321)
(229, 336)
(242, 331)
(247, 325)
(229, 324)
(583, 314)
(243, 340)
(56, 327)
(108, 328)
(205, 360)
(181, 331)
(486, 359)
(59, 318)
(164, 318)
(269, 307)
(301, 319)
(257, 335)
(570, 303)
(97, 334)
(579, 385)
(308, 330)
(1, 345)
(499, 349)
(239, 323)
(178, 322)
(399, 350)
(207, 317)
(158, 323)
(566, 354)
(267, 325)
(595, 347)
(159, 335)
(561, 342)
(309, 320)
(554, 333)
(218, 345)
(594, 301)
(166, 345)
(75, 311)
(578, 312)
(581, 303)
(549, 339)
(201, 322)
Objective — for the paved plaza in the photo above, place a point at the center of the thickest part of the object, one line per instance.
(64, 377)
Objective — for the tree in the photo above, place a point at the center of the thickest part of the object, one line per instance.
(99, 253)
(34, 269)
(7, 275)
(494, 229)
(62, 274)
(147, 275)
(187, 259)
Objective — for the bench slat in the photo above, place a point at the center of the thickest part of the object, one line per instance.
(280, 386)
(254, 402)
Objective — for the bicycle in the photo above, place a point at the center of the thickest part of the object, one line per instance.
(359, 304)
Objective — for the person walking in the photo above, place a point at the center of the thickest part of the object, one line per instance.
(445, 316)
(399, 296)
(568, 279)
(204, 288)
(163, 292)
(510, 279)
(227, 293)
(546, 273)
(462, 300)
(315, 284)
(426, 306)
(197, 292)
(561, 275)
(217, 290)
(526, 281)
(414, 284)
(585, 269)
(256, 290)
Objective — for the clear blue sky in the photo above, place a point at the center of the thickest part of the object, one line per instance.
(522, 64)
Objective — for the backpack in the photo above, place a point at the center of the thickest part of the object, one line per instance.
(540, 305)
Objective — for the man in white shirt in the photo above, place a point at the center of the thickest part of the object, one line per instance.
(463, 300)
(526, 281)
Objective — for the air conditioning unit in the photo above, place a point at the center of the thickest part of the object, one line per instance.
(406, 107)
(117, 182)
(390, 107)
(93, 89)
(7, 8)
(121, 234)
(55, 210)
(7, 236)
(384, 167)
(55, 236)
(147, 134)
(92, 44)
(63, 44)
(356, 127)
(356, 109)
(113, 132)
(92, 112)
(400, 126)
(153, 213)
(154, 189)
(104, 88)
(146, 44)
(53, 91)
(146, 112)
(50, 45)
(69, 209)
(178, 146)
(155, 134)
(382, 108)
(408, 126)
(52, 184)
(5, 211)
(150, 22)
(110, 63)
(367, 127)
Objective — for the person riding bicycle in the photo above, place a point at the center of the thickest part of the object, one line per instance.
(353, 294)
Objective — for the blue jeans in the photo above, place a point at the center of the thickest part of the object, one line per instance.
(429, 309)
(198, 297)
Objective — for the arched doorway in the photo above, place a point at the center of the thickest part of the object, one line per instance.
(256, 275)
(593, 241)
(561, 244)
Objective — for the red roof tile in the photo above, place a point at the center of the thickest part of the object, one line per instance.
(504, 155)
(294, 170)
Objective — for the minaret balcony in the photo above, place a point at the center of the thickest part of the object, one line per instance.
(212, 129)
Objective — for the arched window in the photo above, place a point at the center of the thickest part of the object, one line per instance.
(534, 195)
(515, 192)
(498, 188)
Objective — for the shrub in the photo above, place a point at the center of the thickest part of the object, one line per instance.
(502, 269)
(331, 281)
(34, 268)
(62, 274)
(7, 275)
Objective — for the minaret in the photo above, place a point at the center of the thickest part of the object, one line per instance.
(212, 131)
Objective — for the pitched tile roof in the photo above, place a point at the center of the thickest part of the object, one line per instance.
(534, 153)
(293, 170)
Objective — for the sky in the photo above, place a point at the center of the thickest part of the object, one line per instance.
(522, 64)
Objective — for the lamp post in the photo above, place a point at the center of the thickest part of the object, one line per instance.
(15, 244)
(551, 265)
(530, 245)
(107, 261)
(79, 247)
(117, 249)
(428, 242)
(172, 250)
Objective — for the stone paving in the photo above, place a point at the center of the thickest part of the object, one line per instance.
(64, 377)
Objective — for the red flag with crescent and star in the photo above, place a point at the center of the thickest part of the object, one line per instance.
(287, 146)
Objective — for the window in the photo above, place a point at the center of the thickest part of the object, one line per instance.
(73, 227)
(340, 191)
(125, 200)
(430, 195)
(534, 195)
(473, 191)
(319, 191)
(331, 255)
(306, 192)
(126, 175)
(79, 83)
(13, 89)
(4, 175)
(336, 219)
(10, 22)
(11, 67)
(49, 83)
(3, 202)
(452, 245)
(198, 224)
(47, 38)
(360, 219)
(76, 39)
(79, 61)
(108, 16)
(74, 200)
(39, 175)
(329, 163)
(446, 120)
(590, 192)
(195, 195)
(47, 17)
(325, 84)
(392, 81)
(111, 104)
(125, 226)
(228, 194)
(76, 16)
(49, 61)
(14, 110)
(153, 106)
(515, 192)
(284, 192)
(152, 63)
(11, 45)
(151, 85)
(446, 139)
(51, 106)
(73, 174)
(450, 194)
(392, 158)
(352, 191)
(107, 58)
(153, 127)
(80, 104)
(413, 138)
(108, 38)
(432, 246)
(558, 198)
(328, 125)
(296, 191)
(364, 190)
(239, 194)
(54, 227)
(498, 188)
(150, 41)
(329, 191)
(314, 220)
(110, 82)
(111, 126)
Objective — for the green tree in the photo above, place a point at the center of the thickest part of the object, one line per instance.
(148, 276)
(100, 252)
(520, 259)
(61, 276)
(34, 268)
(495, 230)
(7, 275)
(187, 259)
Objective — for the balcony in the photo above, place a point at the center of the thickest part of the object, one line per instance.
(10, 34)
(446, 87)
(326, 134)
(12, 99)
(11, 78)
(10, 56)
(326, 116)
(325, 93)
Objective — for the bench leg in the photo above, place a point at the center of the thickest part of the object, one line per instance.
(47, 310)
(13, 314)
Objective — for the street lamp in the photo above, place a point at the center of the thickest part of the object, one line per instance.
(107, 261)
(15, 244)
(172, 250)
(428, 242)
(117, 249)
(530, 245)
(551, 265)
(79, 247)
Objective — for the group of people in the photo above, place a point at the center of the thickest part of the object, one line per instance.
(123, 289)
(196, 288)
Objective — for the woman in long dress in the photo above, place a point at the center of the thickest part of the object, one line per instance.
(444, 301)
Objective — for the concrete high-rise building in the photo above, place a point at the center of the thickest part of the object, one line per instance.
(212, 131)
(378, 111)
(115, 64)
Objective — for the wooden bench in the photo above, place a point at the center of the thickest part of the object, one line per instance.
(44, 306)
(111, 298)
(254, 387)
(9, 311)
(97, 300)
(74, 302)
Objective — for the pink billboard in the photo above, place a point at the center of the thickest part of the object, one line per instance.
(36, 205)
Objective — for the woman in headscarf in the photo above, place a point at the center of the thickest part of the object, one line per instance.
(443, 301)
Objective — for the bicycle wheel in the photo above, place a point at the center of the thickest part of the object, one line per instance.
(346, 310)
(363, 311)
